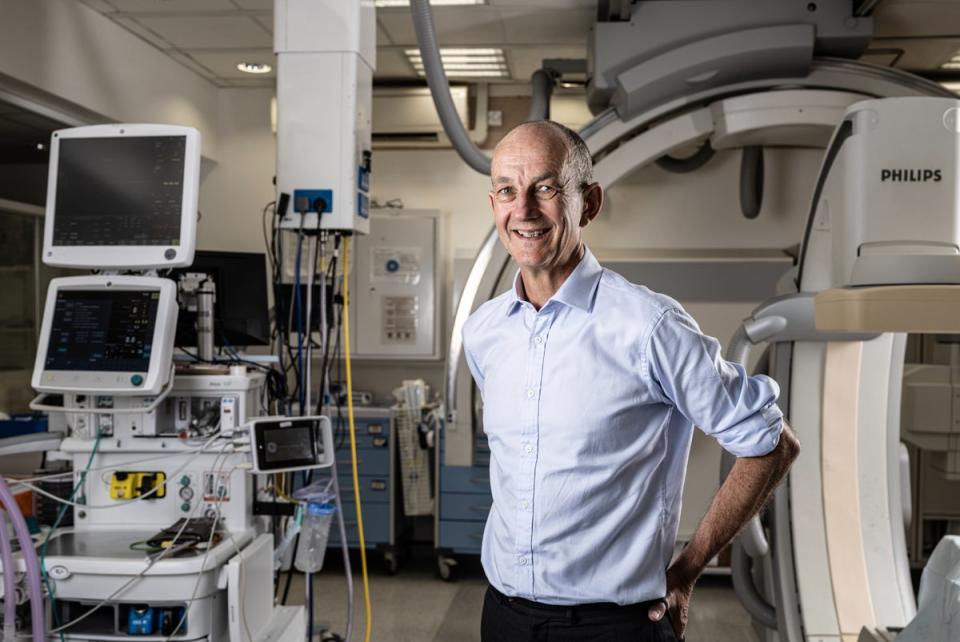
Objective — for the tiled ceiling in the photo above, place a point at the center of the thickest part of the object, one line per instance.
(212, 36)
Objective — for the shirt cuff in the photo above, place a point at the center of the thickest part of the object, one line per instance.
(757, 435)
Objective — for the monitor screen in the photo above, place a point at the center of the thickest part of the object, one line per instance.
(287, 444)
(292, 444)
(241, 315)
(102, 331)
(124, 191)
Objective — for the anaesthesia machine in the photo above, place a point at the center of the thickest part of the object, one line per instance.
(154, 464)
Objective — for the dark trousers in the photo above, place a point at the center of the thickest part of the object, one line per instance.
(512, 619)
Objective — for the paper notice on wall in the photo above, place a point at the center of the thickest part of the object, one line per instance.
(396, 265)
(399, 315)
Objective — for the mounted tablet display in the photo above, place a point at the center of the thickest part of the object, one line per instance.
(106, 334)
(284, 444)
(122, 196)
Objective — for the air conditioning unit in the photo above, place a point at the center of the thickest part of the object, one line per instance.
(406, 117)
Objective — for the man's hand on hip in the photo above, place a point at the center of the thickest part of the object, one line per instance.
(677, 602)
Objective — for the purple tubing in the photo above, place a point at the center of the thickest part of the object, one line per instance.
(30, 560)
(9, 579)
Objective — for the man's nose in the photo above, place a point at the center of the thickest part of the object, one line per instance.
(526, 204)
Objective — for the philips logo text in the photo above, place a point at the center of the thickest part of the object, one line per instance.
(911, 175)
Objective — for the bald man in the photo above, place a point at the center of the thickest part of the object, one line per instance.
(591, 387)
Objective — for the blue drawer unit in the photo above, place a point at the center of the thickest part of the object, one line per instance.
(376, 525)
(376, 454)
(462, 536)
(465, 506)
(370, 461)
(465, 501)
(373, 488)
(465, 479)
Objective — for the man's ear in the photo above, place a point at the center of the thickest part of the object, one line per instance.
(592, 203)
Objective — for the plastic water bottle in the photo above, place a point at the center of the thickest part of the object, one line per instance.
(313, 537)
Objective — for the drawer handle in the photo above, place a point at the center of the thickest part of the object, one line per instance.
(380, 442)
(479, 480)
(480, 508)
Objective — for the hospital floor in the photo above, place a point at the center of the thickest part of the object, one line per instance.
(415, 606)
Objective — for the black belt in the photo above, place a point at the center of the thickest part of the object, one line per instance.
(581, 609)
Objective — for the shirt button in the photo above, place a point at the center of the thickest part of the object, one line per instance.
(523, 561)
(529, 449)
(524, 504)
(531, 393)
(539, 340)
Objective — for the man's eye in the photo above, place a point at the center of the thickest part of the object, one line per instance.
(546, 189)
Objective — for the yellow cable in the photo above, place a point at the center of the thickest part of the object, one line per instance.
(279, 490)
(353, 441)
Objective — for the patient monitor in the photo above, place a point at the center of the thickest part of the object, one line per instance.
(110, 335)
(122, 196)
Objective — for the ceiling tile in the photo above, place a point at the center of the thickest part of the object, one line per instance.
(192, 64)
(394, 24)
(462, 26)
(173, 6)
(204, 32)
(99, 5)
(532, 26)
(383, 38)
(916, 18)
(224, 64)
(266, 22)
(391, 63)
(138, 29)
(922, 55)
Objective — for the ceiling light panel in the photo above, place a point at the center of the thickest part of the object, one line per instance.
(461, 62)
(953, 63)
(951, 86)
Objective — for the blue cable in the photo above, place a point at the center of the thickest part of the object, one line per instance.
(298, 314)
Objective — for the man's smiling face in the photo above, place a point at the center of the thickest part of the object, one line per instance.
(536, 213)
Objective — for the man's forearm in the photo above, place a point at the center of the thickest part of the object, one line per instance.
(743, 493)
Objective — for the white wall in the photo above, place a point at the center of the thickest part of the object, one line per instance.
(70, 51)
(651, 209)
(233, 196)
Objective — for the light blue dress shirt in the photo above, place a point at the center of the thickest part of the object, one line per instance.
(589, 408)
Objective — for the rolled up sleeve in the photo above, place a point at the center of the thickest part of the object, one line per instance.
(718, 396)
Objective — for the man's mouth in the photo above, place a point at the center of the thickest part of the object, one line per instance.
(530, 234)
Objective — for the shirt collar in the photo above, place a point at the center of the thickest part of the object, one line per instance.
(576, 291)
